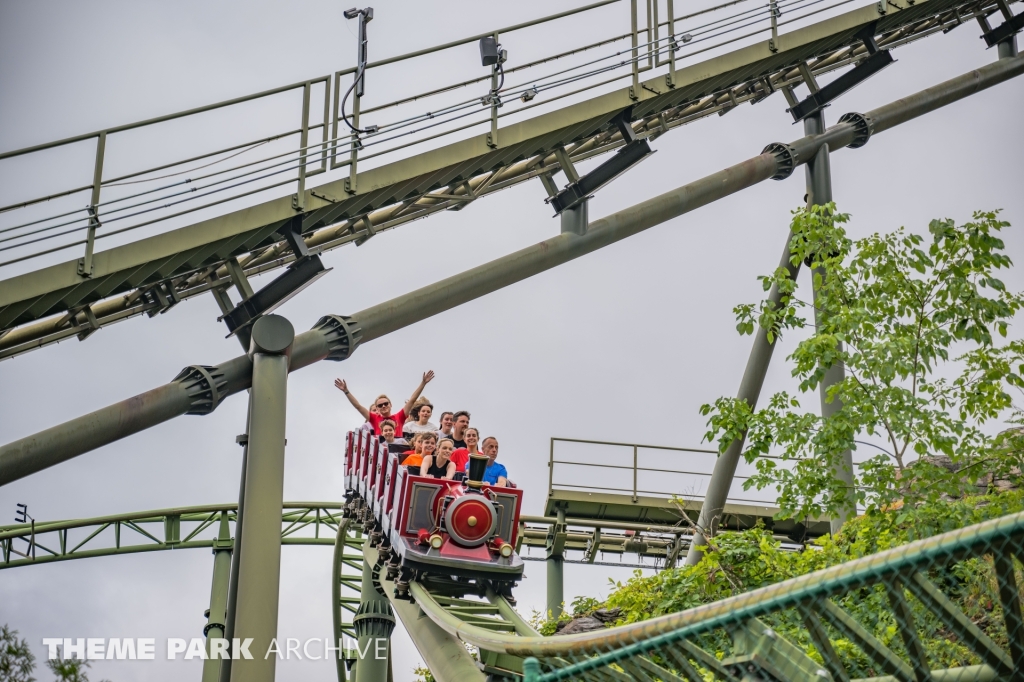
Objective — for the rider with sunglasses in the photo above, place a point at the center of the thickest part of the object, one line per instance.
(383, 405)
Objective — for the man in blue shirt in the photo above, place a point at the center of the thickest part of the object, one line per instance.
(495, 474)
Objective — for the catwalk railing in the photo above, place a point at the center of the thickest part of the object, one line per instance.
(435, 160)
(658, 38)
(631, 469)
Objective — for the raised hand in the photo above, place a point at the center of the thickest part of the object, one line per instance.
(428, 376)
(341, 385)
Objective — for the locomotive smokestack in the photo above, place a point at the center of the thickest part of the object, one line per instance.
(477, 467)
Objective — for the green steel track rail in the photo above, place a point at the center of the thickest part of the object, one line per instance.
(668, 648)
(303, 523)
(444, 618)
(344, 606)
(152, 274)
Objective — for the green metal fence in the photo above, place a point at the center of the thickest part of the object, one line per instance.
(942, 608)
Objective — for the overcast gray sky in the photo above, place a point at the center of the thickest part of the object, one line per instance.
(622, 345)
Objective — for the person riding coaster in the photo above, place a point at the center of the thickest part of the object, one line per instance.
(433, 525)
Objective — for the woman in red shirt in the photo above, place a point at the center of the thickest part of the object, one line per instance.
(383, 405)
(461, 455)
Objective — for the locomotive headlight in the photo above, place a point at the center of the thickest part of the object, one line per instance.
(436, 541)
(470, 520)
(501, 547)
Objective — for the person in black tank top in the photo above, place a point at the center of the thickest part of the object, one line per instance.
(439, 464)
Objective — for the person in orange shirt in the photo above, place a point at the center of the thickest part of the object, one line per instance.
(414, 447)
(426, 446)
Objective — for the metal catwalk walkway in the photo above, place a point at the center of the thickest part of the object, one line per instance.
(78, 296)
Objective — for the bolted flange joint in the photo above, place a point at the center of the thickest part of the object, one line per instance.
(210, 626)
(785, 159)
(342, 333)
(374, 619)
(863, 126)
(205, 387)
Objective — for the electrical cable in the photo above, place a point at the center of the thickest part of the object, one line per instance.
(344, 100)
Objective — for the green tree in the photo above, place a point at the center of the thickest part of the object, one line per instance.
(918, 325)
(68, 669)
(16, 658)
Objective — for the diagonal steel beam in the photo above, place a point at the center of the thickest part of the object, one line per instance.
(1009, 598)
(959, 624)
(200, 389)
(819, 635)
(682, 664)
(880, 655)
(908, 630)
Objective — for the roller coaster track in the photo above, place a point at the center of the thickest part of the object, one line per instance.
(445, 616)
(303, 523)
(670, 648)
(153, 274)
(462, 633)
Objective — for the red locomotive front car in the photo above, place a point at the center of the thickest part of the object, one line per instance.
(458, 528)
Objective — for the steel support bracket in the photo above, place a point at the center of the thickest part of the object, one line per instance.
(220, 545)
(786, 159)
(374, 619)
(549, 185)
(872, 64)
(164, 295)
(238, 278)
(342, 333)
(92, 325)
(86, 266)
(863, 126)
(292, 233)
(555, 542)
(85, 269)
(368, 231)
(581, 190)
(211, 626)
(295, 278)
(576, 219)
(1004, 31)
(205, 387)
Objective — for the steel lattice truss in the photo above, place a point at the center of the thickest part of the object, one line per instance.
(303, 523)
(154, 274)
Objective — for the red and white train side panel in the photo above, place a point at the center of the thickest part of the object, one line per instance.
(434, 525)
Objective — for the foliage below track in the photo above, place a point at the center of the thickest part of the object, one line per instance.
(746, 560)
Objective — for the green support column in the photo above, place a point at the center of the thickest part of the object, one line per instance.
(750, 390)
(1008, 48)
(819, 192)
(216, 616)
(236, 554)
(259, 568)
(556, 566)
(374, 622)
